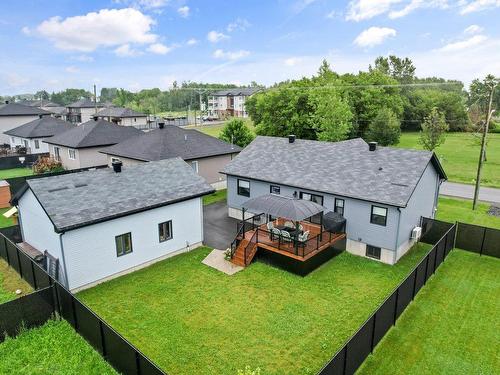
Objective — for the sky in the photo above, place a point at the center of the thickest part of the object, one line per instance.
(136, 44)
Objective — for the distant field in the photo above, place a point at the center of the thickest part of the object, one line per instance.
(452, 209)
(214, 130)
(459, 155)
(15, 172)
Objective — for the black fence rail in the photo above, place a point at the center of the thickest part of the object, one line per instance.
(19, 161)
(50, 299)
(348, 359)
(477, 239)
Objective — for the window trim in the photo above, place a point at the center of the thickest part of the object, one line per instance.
(335, 205)
(377, 248)
(69, 154)
(238, 187)
(385, 217)
(171, 234)
(37, 143)
(129, 234)
(57, 153)
(275, 186)
(194, 164)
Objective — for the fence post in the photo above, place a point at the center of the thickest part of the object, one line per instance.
(373, 332)
(6, 251)
(33, 273)
(482, 242)
(19, 262)
(414, 283)
(74, 312)
(103, 341)
(396, 307)
(137, 363)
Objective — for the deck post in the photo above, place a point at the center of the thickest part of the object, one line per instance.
(243, 220)
(296, 238)
(321, 226)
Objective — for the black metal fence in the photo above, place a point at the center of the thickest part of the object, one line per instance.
(51, 298)
(348, 359)
(14, 161)
(481, 240)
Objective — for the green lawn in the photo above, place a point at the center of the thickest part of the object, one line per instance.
(219, 195)
(54, 348)
(459, 156)
(15, 172)
(452, 327)
(453, 209)
(215, 130)
(188, 317)
(5, 222)
(10, 281)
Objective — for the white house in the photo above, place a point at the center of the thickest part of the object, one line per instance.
(33, 134)
(124, 116)
(103, 223)
(230, 102)
(83, 110)
(12, 115)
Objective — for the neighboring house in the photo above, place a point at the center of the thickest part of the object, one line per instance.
(79, 147)
(207, 155)
(12, 115)
(382, 192)
(83, 110)
(101, 224)
(230, 102)
(54, 108)
(124, 116)
(33, 134)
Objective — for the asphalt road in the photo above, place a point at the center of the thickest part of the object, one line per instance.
(454, 189)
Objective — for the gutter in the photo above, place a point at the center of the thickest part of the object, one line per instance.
(64, 261)
(397, 237)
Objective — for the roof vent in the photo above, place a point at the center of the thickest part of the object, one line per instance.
(372, 146)
(185, 137)
(291, 138)
(95, 118)
(6, 102)
(117, 166)
(161, 125)
(40, 116)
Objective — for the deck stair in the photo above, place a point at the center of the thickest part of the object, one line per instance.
(239, 255)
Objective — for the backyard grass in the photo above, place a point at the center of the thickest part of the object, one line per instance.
(452, 209)
(54, 348)
(10, 281)
(15, 172)
(190, 318)
(219, 195)
(5, 222)
(459, 156)
(452, 327)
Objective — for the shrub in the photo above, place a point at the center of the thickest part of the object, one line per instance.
(236, 131)
(385, 128)
(47, 165)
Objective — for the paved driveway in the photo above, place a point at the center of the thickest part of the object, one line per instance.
(219, 229)
(454, 189)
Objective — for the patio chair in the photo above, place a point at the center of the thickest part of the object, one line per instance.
(275, 232)
(270, 226)
(286, 236)
(303, 238)
(289, 224)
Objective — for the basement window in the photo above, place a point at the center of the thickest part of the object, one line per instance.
(123, 244)
(373, 252)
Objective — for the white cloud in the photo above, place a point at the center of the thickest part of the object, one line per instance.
(183, 11)
(473, 29)
(417, 4)
(292, 61)
(159, 49)
(126, 51)
(192, 42)
(26, 30)
(72, 69)
(332, 14)
(374, 36)
(108, 27)
(214, 36)
(359, 10)
(83, 58)
(464, 44)
(152, 4)
(238, 24)
(479, 5)
(230, 55)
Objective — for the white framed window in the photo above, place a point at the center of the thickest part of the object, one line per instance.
(25, 143)
(37, 144)
(194, 165)
(71, 153)
(123, 244)
(13, 140)
(165, 231)
(379, 216)
(339, 206)
(57, 153)
(244, 188)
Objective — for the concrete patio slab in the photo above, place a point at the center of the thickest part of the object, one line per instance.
(216, 260)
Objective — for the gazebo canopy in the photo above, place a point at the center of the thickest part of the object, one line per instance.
(286, 207)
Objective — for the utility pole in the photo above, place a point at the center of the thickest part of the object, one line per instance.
(95, 99)
(483, 144)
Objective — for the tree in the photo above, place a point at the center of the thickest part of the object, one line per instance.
(385, 128)
(434, 130)
(108, 94)
(69, 96)
(42, 95)
(400, 69)
(236, 132)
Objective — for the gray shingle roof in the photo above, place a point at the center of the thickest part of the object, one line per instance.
(94, 134)
(245, 91)
(387, 175)
(85, 103)
(78, 199)
(15, 109)
(119, 112)
(38, 103)
(172, 141)
(46, 126)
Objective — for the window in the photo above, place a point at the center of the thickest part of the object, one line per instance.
(13, 140)
(57, 153)
(379, 216)
(71, 154)
(135, 119)
(25, 142)
(165, 231)
(373, 252)
(37, 144)
(316, 199)
(123, 244)
(274, 189)
(244, 188)
(339, 206)
(194, 165)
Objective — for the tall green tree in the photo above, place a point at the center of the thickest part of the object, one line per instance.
(69, 96)
(237, 132)
(401, 69)
(385, 128)
(434, 130)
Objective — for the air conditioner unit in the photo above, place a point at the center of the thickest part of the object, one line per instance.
(416, 233)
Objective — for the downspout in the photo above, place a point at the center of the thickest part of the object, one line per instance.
(397, 237)
(64, 261)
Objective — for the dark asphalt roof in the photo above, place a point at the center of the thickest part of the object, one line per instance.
(85, 103)
(78, 199)
(281, 206)
(119, 112)
(15, 109)
(38, 103)
(46, 126)
(387, 175)
(93, 134)
(172, 141)
(245, 91)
